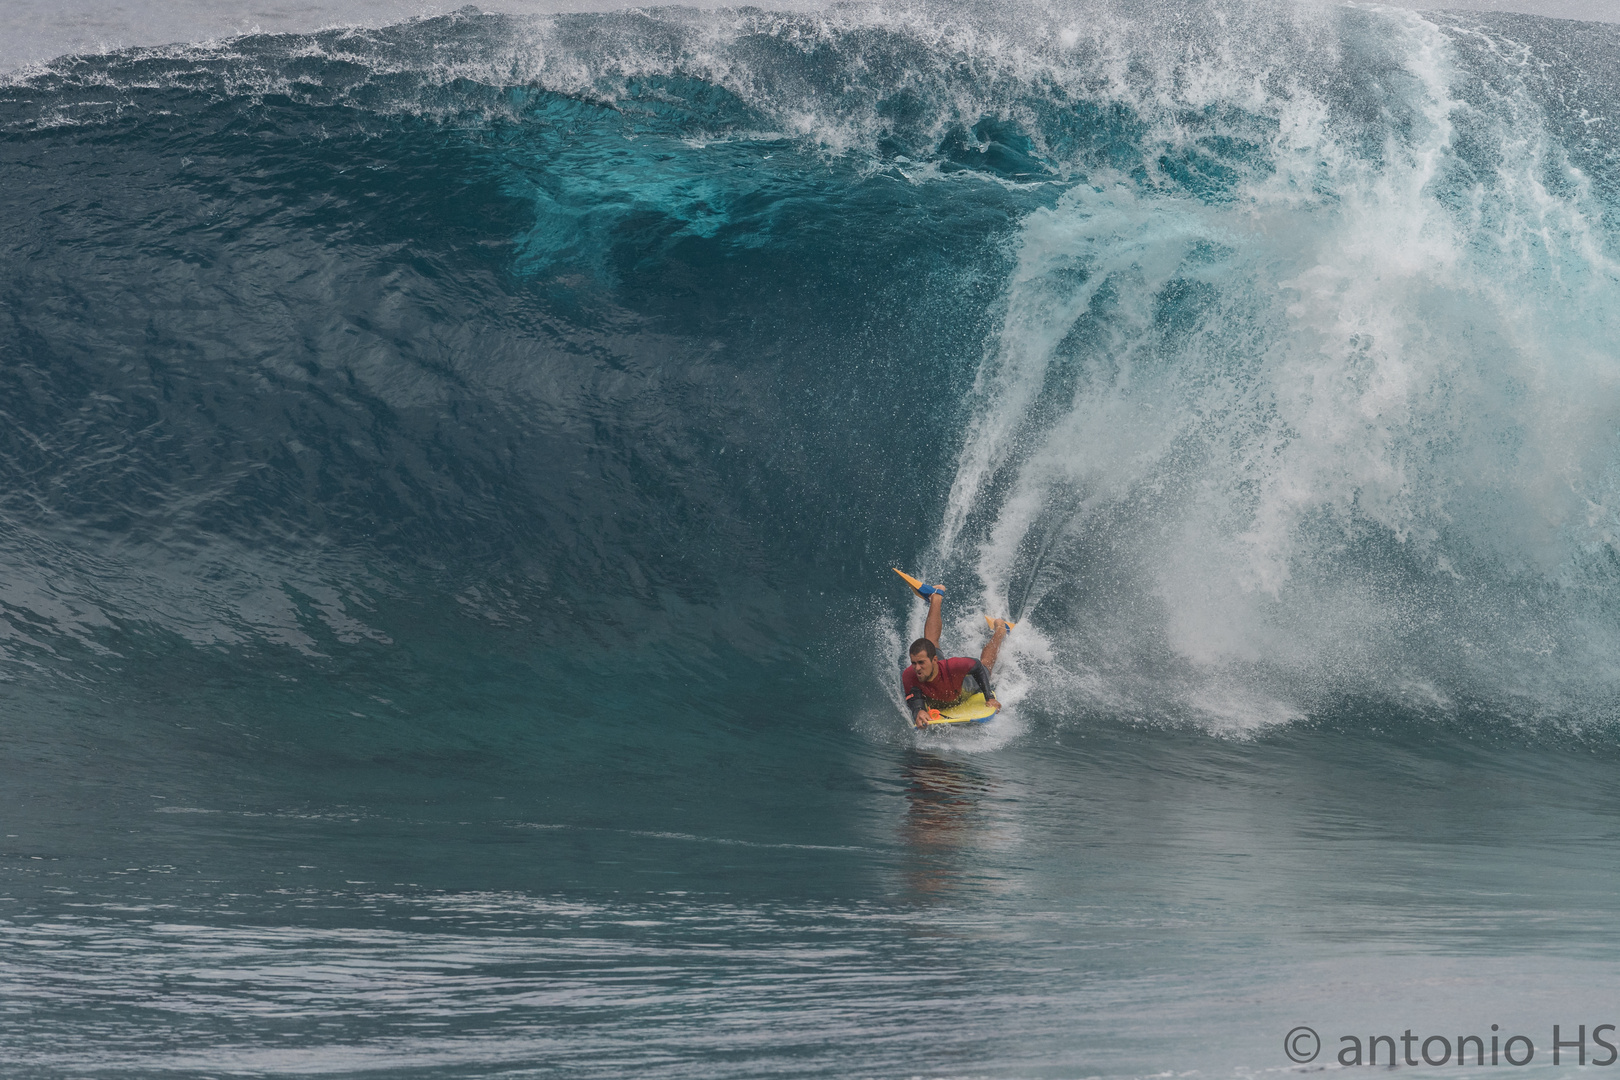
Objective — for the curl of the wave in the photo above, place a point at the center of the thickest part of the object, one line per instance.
(1304, 385)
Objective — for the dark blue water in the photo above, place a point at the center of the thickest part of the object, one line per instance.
(449, 476)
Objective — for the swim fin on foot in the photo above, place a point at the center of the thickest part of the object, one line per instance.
(921, 588)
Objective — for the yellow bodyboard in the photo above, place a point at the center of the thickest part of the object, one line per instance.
(972, 711)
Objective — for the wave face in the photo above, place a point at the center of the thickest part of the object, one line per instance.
(1258, 357)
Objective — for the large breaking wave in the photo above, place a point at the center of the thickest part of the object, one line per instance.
(1256, 357)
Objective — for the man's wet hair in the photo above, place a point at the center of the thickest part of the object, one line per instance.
(922, 645)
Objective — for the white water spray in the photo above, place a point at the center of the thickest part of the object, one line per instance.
(1347, 431)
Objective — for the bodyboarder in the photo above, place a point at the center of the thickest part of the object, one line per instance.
(932, 682)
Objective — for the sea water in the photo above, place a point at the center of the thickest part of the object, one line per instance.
(451, 474)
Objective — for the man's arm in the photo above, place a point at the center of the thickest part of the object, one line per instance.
(915, 702)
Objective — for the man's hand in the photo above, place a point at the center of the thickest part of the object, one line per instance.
(993, 703)
(922, 719)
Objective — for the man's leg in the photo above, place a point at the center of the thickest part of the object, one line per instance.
(988, 657)
(931, 627)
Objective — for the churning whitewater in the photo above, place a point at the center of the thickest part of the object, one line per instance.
(449, 476)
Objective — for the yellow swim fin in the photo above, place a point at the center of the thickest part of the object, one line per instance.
(918, 586)
(992, 622)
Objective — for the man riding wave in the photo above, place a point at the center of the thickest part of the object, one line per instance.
(930, 682)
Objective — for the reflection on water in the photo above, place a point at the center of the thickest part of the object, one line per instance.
(947, 812)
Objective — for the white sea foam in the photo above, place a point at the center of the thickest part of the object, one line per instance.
(1349, 430)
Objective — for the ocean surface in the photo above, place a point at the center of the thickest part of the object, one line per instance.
(454, 468)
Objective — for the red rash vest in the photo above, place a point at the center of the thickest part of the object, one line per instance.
(946, 687)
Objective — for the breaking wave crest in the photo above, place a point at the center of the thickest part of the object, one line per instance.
(1256, 357)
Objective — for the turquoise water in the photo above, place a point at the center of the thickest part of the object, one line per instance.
(451, 475)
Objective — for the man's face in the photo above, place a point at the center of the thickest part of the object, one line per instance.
(924, 666)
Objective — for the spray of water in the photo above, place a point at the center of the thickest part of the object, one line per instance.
(1343, 426)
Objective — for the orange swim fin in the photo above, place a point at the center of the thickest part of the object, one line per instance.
(992, 622)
